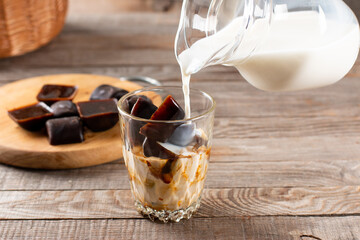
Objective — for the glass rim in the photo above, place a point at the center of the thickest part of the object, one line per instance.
(194, 118)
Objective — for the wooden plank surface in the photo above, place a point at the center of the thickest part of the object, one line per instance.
(100, 204)
(283, 165)
(242, 228)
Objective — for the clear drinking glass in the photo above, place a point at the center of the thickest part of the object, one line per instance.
(167, 169)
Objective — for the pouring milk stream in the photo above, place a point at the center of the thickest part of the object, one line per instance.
(278, 45)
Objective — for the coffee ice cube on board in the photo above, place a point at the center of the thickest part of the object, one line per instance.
(65, 130)
(64, 109)
(31, 117)
(98, 115)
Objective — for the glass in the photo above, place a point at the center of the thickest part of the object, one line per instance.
(276, 45)
(167, 171)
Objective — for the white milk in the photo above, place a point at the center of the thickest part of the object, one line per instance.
(314, 59)
(301, 51)
(186, 89)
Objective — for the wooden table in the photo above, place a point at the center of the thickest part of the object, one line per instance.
(283, 165)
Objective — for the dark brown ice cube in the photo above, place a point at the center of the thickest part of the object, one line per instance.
(130, 102)
(153, 149)
(168, 110)
(135, 138)
(31, 117)
(119, 94)
(105, 91)
(98, 115)
(64, 109)
(51, 93)
(143, 108)
(65, 130)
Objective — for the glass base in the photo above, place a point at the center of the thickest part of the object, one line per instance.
(167, 215)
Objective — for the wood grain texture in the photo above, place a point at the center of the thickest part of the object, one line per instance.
(301, 149)
(95, 204)
(232, 174)
(242, 228)
(287, 127)
(241, 99)
(22, 148)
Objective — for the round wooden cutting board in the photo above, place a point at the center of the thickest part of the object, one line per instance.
(22, 148)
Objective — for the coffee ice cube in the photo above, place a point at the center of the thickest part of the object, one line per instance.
(143, 108)
(98, 115)
(32, 117)
(130, 102)
(152, 148)
(168, 110)
(64, 109)
(64, 130)
(51, 93)
(105, 91)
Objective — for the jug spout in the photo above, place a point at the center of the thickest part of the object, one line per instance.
(221, 26)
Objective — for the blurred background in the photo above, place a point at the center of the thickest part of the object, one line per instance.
(148, 5)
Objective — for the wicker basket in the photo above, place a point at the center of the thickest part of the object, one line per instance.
(26, 25)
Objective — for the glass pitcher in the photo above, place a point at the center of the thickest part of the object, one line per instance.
(277, 45)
